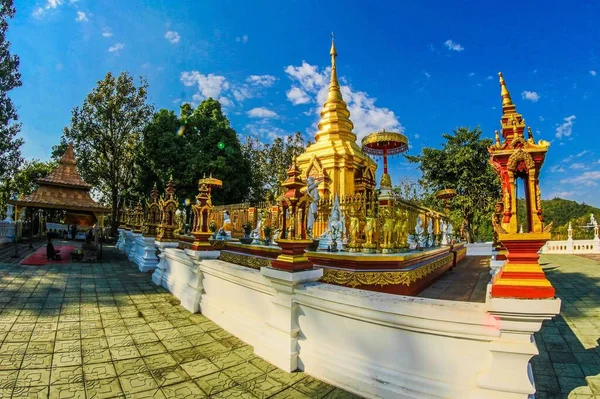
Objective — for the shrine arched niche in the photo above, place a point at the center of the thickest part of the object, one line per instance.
(522, 176)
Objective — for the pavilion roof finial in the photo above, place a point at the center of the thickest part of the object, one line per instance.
(506, 100)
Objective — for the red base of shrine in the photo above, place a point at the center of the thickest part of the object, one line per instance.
(522, 276)
(292, 258)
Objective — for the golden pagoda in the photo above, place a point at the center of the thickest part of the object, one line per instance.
(335, 158)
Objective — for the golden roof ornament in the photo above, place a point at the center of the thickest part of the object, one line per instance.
(335, 117)
(506, 100)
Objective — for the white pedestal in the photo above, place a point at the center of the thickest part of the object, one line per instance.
(133, 246)
(495, 265)
(279, 338)
(145, 254)
(517, 320)
(120, 245)
(159, 272)
(197, 255)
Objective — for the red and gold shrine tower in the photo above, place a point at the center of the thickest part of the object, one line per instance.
(518, 160)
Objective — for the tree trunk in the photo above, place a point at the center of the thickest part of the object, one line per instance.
(114, 215)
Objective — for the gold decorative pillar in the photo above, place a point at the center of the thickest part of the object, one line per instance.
(138, 218)
(152, 214)
(168, 223)
(201, 210)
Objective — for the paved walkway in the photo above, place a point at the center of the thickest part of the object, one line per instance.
(568, 365)
(466, 282)
(106, 331)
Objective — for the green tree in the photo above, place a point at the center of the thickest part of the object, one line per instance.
(200, 142)
(410, 190)
(10, 154)
(107, 131)
(463, 164)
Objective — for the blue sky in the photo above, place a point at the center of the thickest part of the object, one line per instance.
(419, 67)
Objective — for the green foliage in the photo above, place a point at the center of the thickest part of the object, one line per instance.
(10, 154)
(463, 164)
(560, 212)
(410, 190)
(107, 131)
(24, 181)
(199, 142)
(270, 163)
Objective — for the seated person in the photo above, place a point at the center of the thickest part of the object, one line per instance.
(51, 253)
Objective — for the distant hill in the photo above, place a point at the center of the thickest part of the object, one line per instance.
(561, 212)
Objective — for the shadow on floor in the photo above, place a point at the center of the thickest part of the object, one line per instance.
(568, 365)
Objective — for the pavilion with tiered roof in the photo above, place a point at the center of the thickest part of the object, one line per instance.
(64, 189)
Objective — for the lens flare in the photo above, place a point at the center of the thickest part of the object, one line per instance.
(181, 130)
(221, 145)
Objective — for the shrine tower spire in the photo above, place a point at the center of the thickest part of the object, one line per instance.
(513, 123)
(335, 118)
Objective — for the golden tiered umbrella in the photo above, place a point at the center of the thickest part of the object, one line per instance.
(383, 144)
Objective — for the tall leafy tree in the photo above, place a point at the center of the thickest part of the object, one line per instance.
(10, 155)
(463, 164)
(107, 131)
(199, 142)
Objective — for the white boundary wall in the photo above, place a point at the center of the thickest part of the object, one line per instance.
(572, 247)
(373, 344)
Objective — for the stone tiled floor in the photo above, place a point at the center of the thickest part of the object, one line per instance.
(568, 365)
(466, 282)
(106, 331)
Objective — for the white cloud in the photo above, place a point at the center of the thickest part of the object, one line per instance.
(573, 156)
(177, 101)
(541, 118)
(557, 169)
(417, 135)
(243, 39)
(490, 77)
(261, 112)
(310, 82)
(107, 33)
(53, 3)
(566, 128)
(81, 17)
(297, 96)
(208, 85)
(242, 92)
(39, 12)
(561, 194)
(578, 165)
(586, 178)
(225, 102)
(531, 96)
(172, 36)
(471, 74)
(117, 47)
(427, 74)
(451, 45)
(593, 73)
(261, 80)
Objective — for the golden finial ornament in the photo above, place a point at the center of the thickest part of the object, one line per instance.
(498, 139)
(506, 100)
(529, 134)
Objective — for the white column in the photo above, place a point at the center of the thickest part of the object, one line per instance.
(279, 343)
(509, 375)
(161, 267)
(145, 254)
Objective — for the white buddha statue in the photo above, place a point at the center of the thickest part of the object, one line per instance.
(336, 226)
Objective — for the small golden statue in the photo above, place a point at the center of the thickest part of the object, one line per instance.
(370, 228)
(401, 228)
(388, 229)
(355, 243)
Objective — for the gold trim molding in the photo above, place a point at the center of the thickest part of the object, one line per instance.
(251, 261)
(354, 279)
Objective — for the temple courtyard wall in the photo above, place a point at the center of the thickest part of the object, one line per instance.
(374, 344)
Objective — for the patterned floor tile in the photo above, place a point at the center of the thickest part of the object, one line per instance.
(67, 391)
(134, 383)
(106, 331)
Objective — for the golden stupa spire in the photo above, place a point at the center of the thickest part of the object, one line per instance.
(335, 117)
(507, 104)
